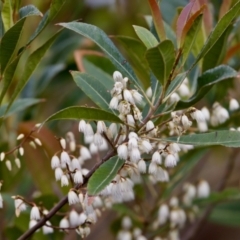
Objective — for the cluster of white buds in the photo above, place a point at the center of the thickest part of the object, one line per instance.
(121, 188)
(125, 100)
(97, 142)
(179, 210)
(136, 146)
(35, 214)
(182, 121)
(129, 232)
(67, 166)
(81, 221)
(219, 114)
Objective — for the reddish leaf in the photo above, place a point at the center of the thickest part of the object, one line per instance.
(183, 17)
(196, 6)
(231, 52)
(189, 24)
(226, 5)
(157, 19)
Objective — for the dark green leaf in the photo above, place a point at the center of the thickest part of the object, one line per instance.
(104, 78)
(227, 214)
(93, 89)
(135, 51)
(18, 106)
(219, 29)
(8, 76)
(216, 197)
(190, 38)
(161, 59)
(170, 33)
(206, 81)
(216, 53)
(104, 175)
(86, 113)
(29, 10)
(146, 36)
(10, 40)
(54, 9)
(31, 64)
(103, 41)
(225, 138)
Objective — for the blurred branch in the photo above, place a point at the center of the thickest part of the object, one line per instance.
(198, 226)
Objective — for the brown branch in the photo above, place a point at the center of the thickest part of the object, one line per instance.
(64, 200)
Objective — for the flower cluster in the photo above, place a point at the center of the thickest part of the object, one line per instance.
(138, 140)
(36, 213)
(170, 216)
(128, 231)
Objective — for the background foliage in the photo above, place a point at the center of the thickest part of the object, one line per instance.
(51, 88)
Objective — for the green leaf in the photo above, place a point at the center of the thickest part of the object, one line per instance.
(104, 78)
(206, 81)
(216, 197)
(7, 14)
(219, 29)
(54, 9)
(170, 34)
(161, 60)
(215, 54)
(103, 41)
(135, 51)
(85, 113)
(29, 10)
(104, 175)
(146, 36)
(93, 89)
(190, 38)
(18, 106)
(225, 138)
(227, 214)
(8, 76)
(174, 85)
(10, 40)
(31, 64)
